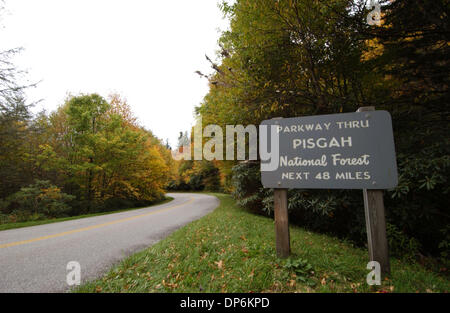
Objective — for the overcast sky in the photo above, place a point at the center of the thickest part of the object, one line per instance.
(145, 50)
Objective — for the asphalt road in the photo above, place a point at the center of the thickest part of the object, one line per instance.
(34, 259)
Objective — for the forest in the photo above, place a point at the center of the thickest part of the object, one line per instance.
(283, 58)
(88, 156)
(292, 58)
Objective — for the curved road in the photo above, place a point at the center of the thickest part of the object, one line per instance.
(34, 259)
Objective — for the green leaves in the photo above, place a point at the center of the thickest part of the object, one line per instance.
(91, 148)
(85, 112)
(429, 182)
(43, 199)
(110, 156)
(300, 267)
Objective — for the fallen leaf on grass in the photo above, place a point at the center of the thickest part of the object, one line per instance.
(219, 264)
(355, 286)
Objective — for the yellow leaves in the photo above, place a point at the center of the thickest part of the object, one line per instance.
(121, 107)
(374, 49)
(274, 107)
(50, 193)
(224, 288)
(120, 159)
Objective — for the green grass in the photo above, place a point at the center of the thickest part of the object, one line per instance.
(231, 250)
(63, 219)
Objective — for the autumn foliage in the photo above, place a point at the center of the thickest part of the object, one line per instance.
(91, 152)
(291, 58)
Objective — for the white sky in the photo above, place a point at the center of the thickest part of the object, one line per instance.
(145, 50)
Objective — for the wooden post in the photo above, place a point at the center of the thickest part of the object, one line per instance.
(376, 224)
(283, 245)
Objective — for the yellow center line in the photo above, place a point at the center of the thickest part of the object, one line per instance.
(79, 230)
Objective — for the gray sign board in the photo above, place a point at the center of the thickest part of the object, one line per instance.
(338, 151)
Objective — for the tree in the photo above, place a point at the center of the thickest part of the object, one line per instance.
(14, 118)
(102, 155)
(41, 199)
(290, 58)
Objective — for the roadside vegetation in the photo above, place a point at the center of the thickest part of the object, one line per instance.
(88, 156)
(29, 223)
(232, 250)
(277, 59)
(304, 57)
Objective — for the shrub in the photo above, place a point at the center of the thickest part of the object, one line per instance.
(196, 176)
(40, 200)
(341, 212)
(302, 268)
(247, 188)
(401, 245)
(3, 206)
(444, 245)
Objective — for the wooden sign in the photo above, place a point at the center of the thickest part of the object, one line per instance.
(339, 151)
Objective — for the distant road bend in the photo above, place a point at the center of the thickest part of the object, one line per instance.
(34, 259)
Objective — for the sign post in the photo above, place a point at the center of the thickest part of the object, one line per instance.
(336, 151)
(283, 245)
(376, 224)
